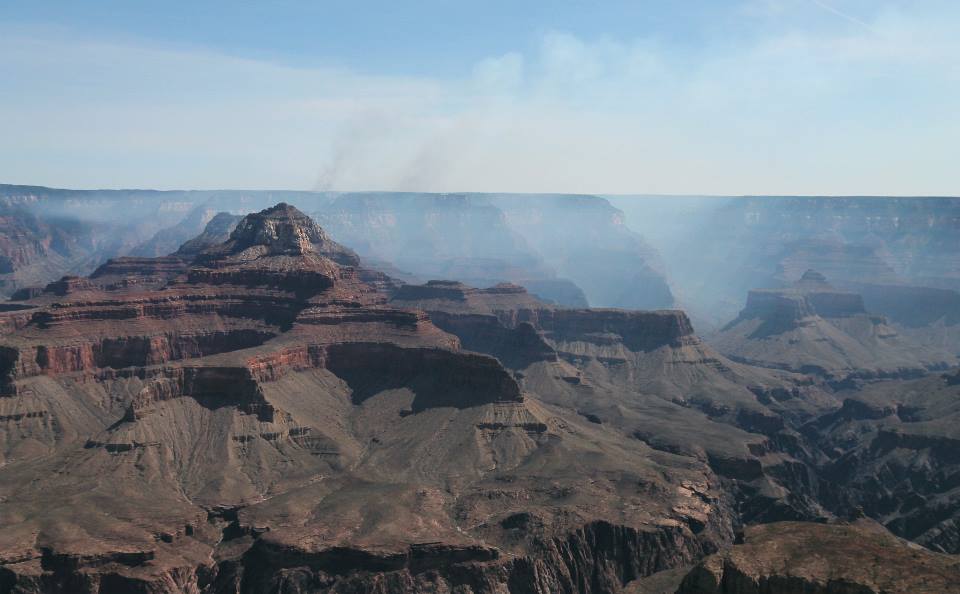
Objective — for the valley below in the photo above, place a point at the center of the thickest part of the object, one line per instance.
(246, 392)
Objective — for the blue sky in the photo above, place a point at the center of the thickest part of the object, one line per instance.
(729, 97)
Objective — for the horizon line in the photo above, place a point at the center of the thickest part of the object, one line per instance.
(485, 193)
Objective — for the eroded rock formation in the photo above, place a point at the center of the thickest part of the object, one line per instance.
(259, 412)
(256, 415)
(814, 328)
(789, 557)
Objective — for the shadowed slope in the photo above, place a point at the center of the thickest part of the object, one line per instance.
(259, 417)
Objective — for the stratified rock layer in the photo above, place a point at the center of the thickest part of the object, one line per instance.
(647, 376)
(789, 557)
(264, 414)
(256, 415)
(814, 328)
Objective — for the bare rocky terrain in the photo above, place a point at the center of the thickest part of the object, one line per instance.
(539, 241)
(789, 557)
(261, 417)
(812, 327)
(262, 409)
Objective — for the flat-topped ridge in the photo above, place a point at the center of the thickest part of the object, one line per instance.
(810, 295)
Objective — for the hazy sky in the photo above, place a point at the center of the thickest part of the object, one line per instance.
(695, 96)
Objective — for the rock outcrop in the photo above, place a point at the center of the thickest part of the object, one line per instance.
(257, 415)
(814, 328)
(216, 231)
(928, 316)
(646, 375)
(203, 224)
(262, 412)
(717, 249)
(823, 559)
(891, 452)
(47, 233)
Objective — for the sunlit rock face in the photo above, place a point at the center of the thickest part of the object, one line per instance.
(265, 413)
(821, 559)
(261, 409)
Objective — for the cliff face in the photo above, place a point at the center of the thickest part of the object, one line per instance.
(822, 559)
(810, 296)
(439, 378)
(716, 249)
(648, 377)
(587, 240)
(47, 233)
(199, 223)
(782, 307)
(216, 231)
(638, 331)
(914, 307)
(30, 248)
(557, 246)
(598, 557)
(814, 328)
(260, 412)
(259, 416)
(896, 470)
(511, 304)
(450, 236)
(928, 316)
(518, 328)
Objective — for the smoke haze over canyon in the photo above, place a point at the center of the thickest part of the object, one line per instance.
(621, 297)
(515, 393)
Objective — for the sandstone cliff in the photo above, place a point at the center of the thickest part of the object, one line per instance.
(258, 416)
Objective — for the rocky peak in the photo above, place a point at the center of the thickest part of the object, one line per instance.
(283, 230)
(813, 281)
(279, 247)
(280, 230)
(217, 230)
(810, 295)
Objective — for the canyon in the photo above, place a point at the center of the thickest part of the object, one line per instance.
(260, 416)
(237, 402)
